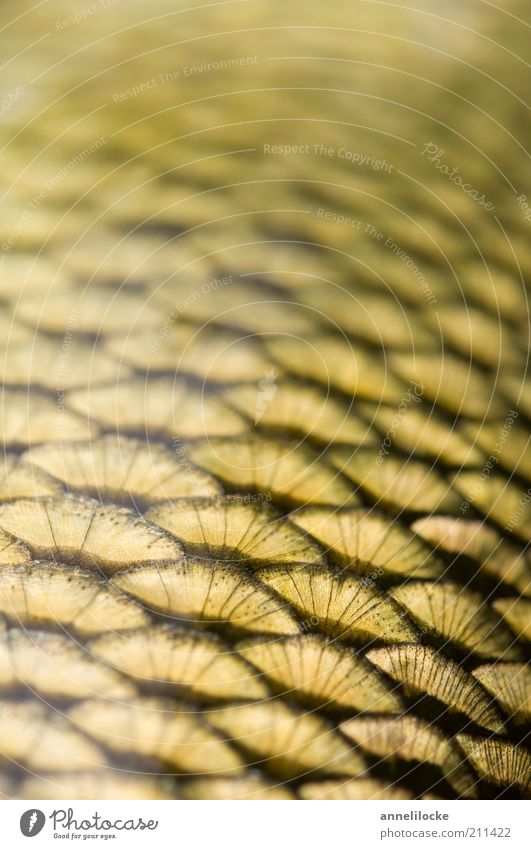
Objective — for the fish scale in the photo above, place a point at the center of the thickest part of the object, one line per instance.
(212, 213)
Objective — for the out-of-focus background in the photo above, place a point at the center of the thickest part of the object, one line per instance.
(180, 98)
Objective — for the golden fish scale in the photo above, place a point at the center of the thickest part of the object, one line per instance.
(264, 507)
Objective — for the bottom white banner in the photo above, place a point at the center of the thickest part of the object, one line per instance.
(268, 825)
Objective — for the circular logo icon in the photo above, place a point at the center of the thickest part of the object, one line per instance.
(32, 822)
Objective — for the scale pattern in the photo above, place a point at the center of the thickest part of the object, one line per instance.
(266, 489)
